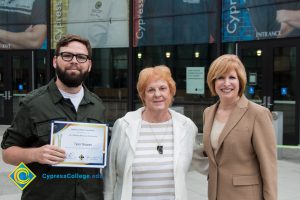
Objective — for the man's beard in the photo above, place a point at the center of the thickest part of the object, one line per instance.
(68, 80)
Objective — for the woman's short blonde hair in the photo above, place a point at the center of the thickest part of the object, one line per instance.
(222, 65)
(148, 74)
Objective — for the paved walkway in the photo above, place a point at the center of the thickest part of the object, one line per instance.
(288, 178)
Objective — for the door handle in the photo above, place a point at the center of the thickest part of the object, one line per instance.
(264, 101)
(7, 95)
(269, 104)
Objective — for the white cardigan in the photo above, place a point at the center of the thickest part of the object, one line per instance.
(118, 173)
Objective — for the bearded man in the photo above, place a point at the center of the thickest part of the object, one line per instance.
(64, 98)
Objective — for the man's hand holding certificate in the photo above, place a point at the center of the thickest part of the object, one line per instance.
(85, 143)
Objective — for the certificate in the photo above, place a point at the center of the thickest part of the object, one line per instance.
(85, 143)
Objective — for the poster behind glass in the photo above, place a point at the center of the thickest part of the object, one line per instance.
(260, 19)
(171, 22)
(23, 24)
(104, 23)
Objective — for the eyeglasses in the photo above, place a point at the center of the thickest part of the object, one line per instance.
(67, 56)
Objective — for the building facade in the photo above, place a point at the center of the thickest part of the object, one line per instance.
(128, 35)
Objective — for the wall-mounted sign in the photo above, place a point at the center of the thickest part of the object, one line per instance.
(195, 80)
(284, 91)
(252, 80)
(251, 90)
(20, 87)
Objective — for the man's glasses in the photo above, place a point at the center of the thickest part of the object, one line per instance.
(67, 56)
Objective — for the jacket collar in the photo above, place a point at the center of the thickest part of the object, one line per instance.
(134, 120)
(235, 116)
(57, 96)
(132, 117)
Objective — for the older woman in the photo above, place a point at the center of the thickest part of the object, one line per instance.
(151, 148)
(239, 138)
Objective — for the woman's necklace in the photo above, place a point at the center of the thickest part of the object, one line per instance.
(160, 147)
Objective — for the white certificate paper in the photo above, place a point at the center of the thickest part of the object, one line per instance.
(85, 143)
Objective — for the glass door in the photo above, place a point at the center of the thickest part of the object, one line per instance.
(15, 82)
(284, 90)
(271, 69)
(259, 76)
(4, 88)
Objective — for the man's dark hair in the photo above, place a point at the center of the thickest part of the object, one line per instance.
(66, 39)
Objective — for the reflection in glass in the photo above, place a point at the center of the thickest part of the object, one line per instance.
(108, 79)
(20, 79)
(174, 22)
(1, 87)
(254, 66)
(285, 90)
